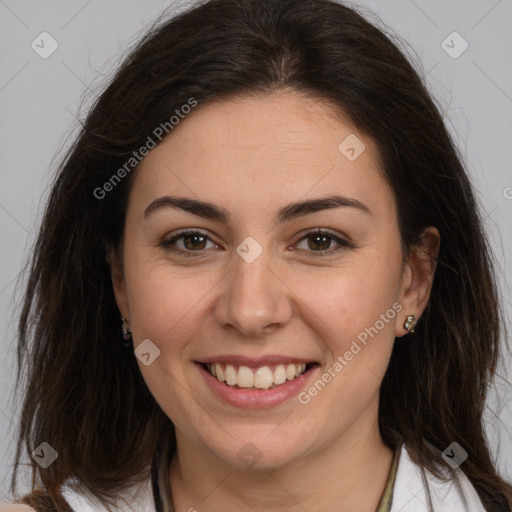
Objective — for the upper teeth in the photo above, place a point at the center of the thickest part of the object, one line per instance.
(262, 378)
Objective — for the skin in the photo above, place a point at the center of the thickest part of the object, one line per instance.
(252, 156)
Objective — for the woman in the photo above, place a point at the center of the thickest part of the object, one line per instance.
(329, 344)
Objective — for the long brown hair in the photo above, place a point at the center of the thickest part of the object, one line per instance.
(84, 393)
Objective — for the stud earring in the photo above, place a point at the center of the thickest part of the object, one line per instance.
(410, 322)
(127, 333)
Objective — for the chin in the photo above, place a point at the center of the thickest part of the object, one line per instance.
(255, 453)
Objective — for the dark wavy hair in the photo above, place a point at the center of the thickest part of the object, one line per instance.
(82, 390)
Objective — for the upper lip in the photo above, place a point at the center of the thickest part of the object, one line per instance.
(255, 362)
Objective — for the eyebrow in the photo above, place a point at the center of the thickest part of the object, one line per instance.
(285, 214)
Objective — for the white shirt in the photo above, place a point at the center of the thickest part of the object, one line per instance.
(409, 494)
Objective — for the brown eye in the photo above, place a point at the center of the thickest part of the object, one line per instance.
(187, 242)
(194, 241)
(319, 242)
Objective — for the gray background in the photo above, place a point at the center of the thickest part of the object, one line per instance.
(41, 98)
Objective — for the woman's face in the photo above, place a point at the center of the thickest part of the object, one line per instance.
(254, 290)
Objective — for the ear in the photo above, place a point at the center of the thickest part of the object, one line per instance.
(118, 283)
(418, 276)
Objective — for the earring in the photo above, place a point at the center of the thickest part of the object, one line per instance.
(410, 322)
(127, 333)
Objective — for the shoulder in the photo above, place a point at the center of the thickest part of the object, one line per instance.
(138, 499)
(410, 493)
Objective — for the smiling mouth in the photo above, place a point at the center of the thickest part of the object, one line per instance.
(265, 377)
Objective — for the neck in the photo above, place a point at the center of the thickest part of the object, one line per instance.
(350, 474)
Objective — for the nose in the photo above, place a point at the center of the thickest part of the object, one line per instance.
(254, 298)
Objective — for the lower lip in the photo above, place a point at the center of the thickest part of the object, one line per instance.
(255, 398)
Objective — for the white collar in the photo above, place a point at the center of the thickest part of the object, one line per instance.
(139, 500)
(408, 495)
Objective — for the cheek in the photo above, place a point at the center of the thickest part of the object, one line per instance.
(362, 324)
(355, 312)
(352, 297)
(164, 298)
(358, 345)
(166, 308)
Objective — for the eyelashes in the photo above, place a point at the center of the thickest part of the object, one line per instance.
(195, 239)
(171, 243)
(323, 235)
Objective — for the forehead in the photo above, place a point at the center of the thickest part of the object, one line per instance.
(260, 123)
(264, 147)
